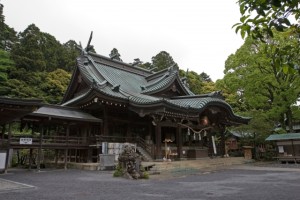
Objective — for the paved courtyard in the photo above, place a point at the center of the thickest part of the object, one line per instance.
(234, 182)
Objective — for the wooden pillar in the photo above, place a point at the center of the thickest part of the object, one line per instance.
(9, 135)
(90, 141)
(30, 158)
(105, 121)
(293, 148)
(158, 141)
(56, 157)
(179, 141)
(67, 146)
(8, 147)
(2, 134)
(222, 149)
(40, 148)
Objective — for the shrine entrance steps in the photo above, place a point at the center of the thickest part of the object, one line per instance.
(184, 167)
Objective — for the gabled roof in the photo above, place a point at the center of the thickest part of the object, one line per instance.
(137, 88)
(62, 112)
(12, 108)
(287, 136)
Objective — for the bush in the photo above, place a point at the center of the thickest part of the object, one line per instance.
(118, 172)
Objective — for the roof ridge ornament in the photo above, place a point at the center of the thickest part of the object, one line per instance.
(115, 88)
(217, 94)
(88, 47)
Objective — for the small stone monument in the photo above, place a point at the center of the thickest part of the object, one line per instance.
(130, 162)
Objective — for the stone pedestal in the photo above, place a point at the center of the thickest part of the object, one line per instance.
(107, 161)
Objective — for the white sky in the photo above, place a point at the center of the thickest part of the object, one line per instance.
(196, 33)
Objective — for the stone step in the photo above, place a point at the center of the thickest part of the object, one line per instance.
(201, 164)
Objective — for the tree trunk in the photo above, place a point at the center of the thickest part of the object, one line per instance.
(289, 116)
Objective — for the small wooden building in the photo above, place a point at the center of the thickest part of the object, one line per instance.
(288, 146)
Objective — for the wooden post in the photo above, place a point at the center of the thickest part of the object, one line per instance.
(2, 134)
(105, 121)
(67, 146)
(8, 147)
(158, 141)
(179, 141)
(222, 149)
(9, 135)
(40, 148)
(30, 158)
(56, 157)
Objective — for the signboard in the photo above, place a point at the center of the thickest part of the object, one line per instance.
(25, 140)
(280, 149)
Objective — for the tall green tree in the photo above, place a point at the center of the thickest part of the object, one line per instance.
(68, 56)
(8, 36)
(55, 85)
(255, 73)
(38, 51)
(5, 66)
(205, 77)
(162, 61)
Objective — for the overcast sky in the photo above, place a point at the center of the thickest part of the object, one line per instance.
(196, 33)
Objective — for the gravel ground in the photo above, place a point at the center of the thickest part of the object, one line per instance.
(275, 164)
(221, 184)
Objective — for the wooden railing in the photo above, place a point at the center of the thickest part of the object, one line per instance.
(76, 141)
(142, 143)
(51, 140)
(137, 140)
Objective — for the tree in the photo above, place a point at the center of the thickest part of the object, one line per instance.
(5, 66)
(255, 73)
(162, 61)
(7, 34)
(55, 85)
(205, 77)
(196, 83)
(69, 54)
(260, 18)
(38, 51)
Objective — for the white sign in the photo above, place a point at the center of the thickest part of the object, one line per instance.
(280, 149)
(25, 140)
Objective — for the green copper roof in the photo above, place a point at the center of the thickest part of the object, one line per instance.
(287, 136)
(138, 87)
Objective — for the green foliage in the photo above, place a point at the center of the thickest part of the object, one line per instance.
(256, 84)
(260, 18)
(162, 61)
(118, 172)
(55, 85)
(5, 64)
(145, 175)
